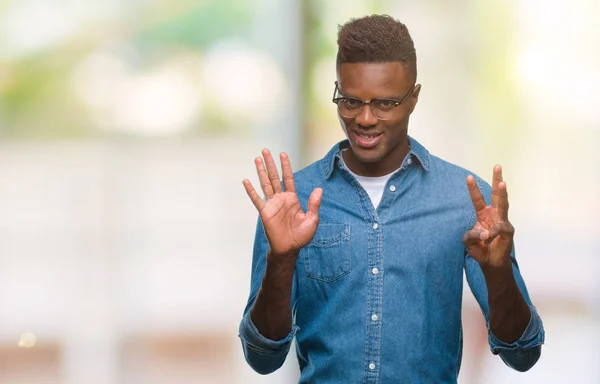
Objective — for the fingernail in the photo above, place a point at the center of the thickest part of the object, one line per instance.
(484, 235)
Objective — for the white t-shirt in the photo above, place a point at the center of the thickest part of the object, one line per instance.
(374, 186)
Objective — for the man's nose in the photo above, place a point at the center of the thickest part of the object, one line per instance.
(366, 117)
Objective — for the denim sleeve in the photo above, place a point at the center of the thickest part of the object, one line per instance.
(262, 354)
(523, 353)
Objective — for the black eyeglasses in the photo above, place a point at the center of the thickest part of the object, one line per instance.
(351, 107)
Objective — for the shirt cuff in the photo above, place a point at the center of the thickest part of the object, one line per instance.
(531, 337)
(252, 338)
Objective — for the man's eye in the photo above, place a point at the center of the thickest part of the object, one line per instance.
(352, 103)
(385, 105)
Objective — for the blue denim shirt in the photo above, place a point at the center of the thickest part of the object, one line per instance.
(377, 294)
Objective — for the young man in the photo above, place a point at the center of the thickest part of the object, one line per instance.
(360, 256)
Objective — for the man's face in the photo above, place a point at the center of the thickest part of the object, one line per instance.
(378, 146)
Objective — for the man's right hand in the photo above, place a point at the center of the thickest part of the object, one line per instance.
(287, 227)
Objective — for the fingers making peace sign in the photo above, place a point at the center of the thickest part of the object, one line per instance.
(490, 240)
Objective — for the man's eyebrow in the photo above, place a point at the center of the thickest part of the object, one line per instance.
(347, 95)
(395, 97)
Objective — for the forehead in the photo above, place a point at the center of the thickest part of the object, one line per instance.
(369, 80)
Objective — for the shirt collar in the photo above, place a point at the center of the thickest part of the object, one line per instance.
(329, 161)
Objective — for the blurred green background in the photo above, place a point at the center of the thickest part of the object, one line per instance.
(126, 128)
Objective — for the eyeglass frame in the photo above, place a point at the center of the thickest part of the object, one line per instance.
(336, 100)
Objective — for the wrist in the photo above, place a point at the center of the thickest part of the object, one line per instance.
(499, 269)
(500, 281)
(282, 260)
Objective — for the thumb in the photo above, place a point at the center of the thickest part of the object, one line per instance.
(314, 201)
(474, 236)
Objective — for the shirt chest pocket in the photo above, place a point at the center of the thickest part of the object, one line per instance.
(327, 257)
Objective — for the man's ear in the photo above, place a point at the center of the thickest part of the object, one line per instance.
(414, 97)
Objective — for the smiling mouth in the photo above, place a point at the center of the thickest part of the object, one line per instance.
(367, 140)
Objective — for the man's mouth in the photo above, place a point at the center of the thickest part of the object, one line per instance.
(367, 140)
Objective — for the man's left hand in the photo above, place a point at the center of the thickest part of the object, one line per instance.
(490, 241)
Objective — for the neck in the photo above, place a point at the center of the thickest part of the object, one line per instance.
(386, 165)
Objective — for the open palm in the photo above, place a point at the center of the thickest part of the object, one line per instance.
(287, 227)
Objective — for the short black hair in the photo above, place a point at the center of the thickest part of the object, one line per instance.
(376, 39)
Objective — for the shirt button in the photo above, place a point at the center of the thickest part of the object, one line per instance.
(392, 188)
(409, 161)
(375, 271)
(375, 225)
(372, 366)
(374, 317)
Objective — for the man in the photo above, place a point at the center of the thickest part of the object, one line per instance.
(360, 256)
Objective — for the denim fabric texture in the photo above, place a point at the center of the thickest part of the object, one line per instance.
(377, 294)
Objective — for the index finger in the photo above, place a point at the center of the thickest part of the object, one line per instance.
(287, 174)
(476, 196)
